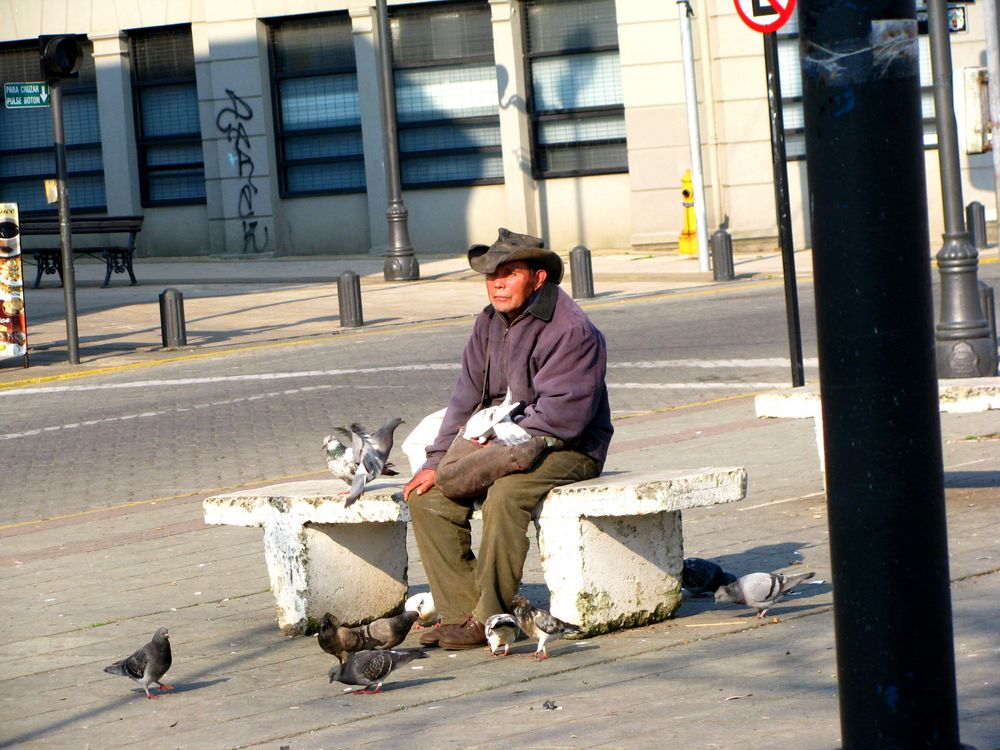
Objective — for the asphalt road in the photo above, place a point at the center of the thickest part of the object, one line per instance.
(259, 415)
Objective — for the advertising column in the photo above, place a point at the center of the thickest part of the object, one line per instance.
(13, 325)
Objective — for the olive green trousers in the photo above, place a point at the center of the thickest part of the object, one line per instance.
(463, 583)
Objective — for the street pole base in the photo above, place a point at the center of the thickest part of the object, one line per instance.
(966, 358)
(401, 268)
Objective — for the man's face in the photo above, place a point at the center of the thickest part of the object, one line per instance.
(511, 285)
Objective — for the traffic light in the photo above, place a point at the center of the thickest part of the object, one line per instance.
(61, 56)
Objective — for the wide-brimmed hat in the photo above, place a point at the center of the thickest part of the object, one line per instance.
(511, 246)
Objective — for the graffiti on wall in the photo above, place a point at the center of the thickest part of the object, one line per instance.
(230, 121)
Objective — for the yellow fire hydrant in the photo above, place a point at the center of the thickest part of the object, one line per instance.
(688, 242)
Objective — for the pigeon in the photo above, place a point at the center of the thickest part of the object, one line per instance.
(371, 452)
(537, 623)
(760, 590)
(148, 664)
(370, 668)
(340, 458)
(423, 604)
(383, 633)
(703, 577)
(501, 630)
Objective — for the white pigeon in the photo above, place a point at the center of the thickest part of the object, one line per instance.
(372, 453)
(501, 631)
(423, 605)
(148, 664)
(760, 590)
(537, 623)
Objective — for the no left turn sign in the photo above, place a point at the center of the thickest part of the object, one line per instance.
(765, 16)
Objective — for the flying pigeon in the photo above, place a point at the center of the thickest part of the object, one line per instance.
(370, 668)
(371, 452)
(148, 664)
(423, 605)
(703, 577)
(537, 623)
(501, 630)
(760, 590)
(340, 459)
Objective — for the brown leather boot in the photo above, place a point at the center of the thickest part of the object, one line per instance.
(456, 637)
(431, 636)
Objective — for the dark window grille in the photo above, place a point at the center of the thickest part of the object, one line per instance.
(317, 116)
(168, 131)
(27, 153)
(447, 110)
(575, 98)
(790, 75)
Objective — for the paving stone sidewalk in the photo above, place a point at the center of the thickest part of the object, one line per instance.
(83, 591)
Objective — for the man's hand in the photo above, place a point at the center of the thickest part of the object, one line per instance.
(422, 481)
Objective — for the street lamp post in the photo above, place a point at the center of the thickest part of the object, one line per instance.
(963, 341)
(400, 261)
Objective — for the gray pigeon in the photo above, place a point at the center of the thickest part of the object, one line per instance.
(148, 664)
(760, 590)
(340, 459)
(537, 623)
(703, 577)
(370, 668)
(383, 633)
(501, 630)
(371, 452)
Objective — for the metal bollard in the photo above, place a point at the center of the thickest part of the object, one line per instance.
(722, 253)
(581, 273)
(172, 328)
(349, 297)
(975, 218)
(990, 313)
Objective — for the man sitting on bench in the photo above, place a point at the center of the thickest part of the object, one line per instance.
(534, 340)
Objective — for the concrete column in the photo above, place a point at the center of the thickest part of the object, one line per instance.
(515, 127)
(230, 63)
(366, 59)
(114, 107)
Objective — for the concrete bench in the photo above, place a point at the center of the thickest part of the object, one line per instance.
(958, 395)
(611, 548)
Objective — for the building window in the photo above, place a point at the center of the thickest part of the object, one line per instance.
(27, 154)
(168, 133)
(317, 113)
(575, 101)
(447, 111)
(790, 75)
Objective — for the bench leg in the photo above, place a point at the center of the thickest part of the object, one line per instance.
(614, 572)
(356, 571)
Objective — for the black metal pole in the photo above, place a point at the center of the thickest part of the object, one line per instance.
(400, 261)
(781, 207)
(965, 348)
(65, 229)
(881, 424)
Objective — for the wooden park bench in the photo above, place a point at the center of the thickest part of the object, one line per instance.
(117, 258)
(611, 548)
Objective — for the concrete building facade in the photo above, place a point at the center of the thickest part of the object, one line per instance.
(249, 183)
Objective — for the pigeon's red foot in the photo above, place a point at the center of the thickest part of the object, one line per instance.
(541, 655)
(164, 686)
(377, 689)
(152, 697)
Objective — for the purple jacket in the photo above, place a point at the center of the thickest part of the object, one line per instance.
(553, 359)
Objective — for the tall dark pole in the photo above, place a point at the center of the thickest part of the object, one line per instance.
(965, 346)
(874, 318)
(400, 261)
(781, 207)
(65, 231)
